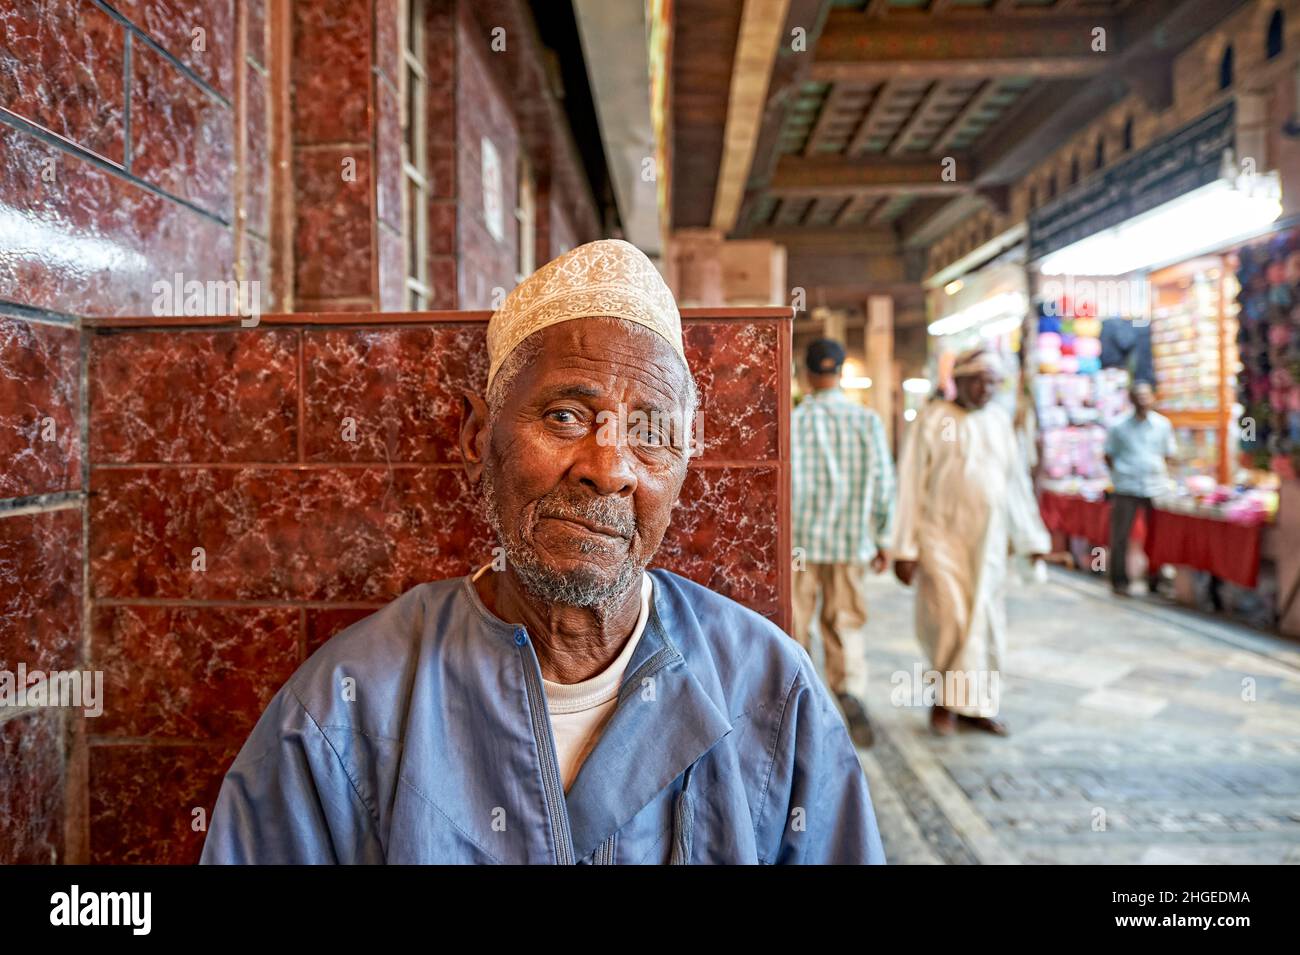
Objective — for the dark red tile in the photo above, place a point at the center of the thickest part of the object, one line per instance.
(333, 240)
(61, 68)
(442, 170)
(442, 227)
(40, 399)
(31, 788)
(40, 590)
(145, 525)
(331, 71)
(90, 243)
(143, 799)
(194, 396)
(199, 33)
(724, 535)
(257, 156)
(736, 368)
(442, 276)
(440, 40)
(388, 153)
(401, 387)
(336, 535)
(324, 623)
(373, 533)
(193, 673)
(182, 139)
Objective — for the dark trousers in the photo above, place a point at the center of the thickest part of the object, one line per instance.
(1123, 511)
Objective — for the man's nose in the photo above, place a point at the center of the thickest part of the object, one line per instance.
(605, 468)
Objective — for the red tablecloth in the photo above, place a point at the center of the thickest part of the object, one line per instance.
(1226, 550)
(1076, 517)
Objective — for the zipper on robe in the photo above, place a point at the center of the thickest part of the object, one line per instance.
(552, 784)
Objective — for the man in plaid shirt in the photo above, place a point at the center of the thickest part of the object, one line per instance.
(843, 508)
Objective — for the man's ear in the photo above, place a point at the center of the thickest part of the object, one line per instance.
(474, 433)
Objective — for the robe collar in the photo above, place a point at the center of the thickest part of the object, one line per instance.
(663, 723)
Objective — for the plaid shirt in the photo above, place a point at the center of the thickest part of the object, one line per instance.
(843, 480)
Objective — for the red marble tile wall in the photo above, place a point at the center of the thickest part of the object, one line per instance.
(440, 123)
(485, 122)
(333, 133)
(353, 225)
(40, 630)
(256, 491)
(41, 567)
(133, 146)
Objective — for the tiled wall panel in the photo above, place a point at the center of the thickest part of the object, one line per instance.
(316, 466)
(120, 130)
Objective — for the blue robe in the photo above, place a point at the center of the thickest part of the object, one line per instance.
(421, 735)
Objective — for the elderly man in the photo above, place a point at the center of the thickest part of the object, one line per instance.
(567, 706)
(964, 500)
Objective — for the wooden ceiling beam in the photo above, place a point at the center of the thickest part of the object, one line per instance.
(756, 51)
(974, 105)
(884, 92)
(877, 217)
(918, 118)
(789, 72)
(880, 240)
(1059, 108)
(838, 175)
(853, 47)
(854, 206)
(931, 217)
(827, 115)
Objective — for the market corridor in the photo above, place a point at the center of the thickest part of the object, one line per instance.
(1131, 741)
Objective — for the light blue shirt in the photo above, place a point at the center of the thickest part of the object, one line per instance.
(1137, 448)
(421, 735)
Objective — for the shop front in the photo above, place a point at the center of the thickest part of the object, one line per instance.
(983, 307)
(1137, 276)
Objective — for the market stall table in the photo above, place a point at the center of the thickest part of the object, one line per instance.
(1229, 550)
(1226, 549)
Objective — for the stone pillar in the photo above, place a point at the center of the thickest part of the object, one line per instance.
(833, 325)
(753, 272)
(697, 268)
(879, 335)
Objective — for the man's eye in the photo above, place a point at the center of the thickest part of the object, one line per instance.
(562, 416)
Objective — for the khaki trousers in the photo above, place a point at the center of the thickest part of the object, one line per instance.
(843, 622)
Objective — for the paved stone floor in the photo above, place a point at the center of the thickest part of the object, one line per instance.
(1134, 738)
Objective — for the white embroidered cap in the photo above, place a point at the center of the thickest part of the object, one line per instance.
(607, 278)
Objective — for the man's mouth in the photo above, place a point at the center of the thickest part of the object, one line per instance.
(590, 527)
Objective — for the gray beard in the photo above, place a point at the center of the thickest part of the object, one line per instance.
(579, 588)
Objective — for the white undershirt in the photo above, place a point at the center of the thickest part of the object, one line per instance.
(579, 711)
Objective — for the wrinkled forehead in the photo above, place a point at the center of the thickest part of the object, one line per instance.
(609, 354)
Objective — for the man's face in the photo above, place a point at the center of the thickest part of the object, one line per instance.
(579, 503)
(1143, 397)
(975, 391)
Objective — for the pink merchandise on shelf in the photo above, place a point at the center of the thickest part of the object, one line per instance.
(1087, 347)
